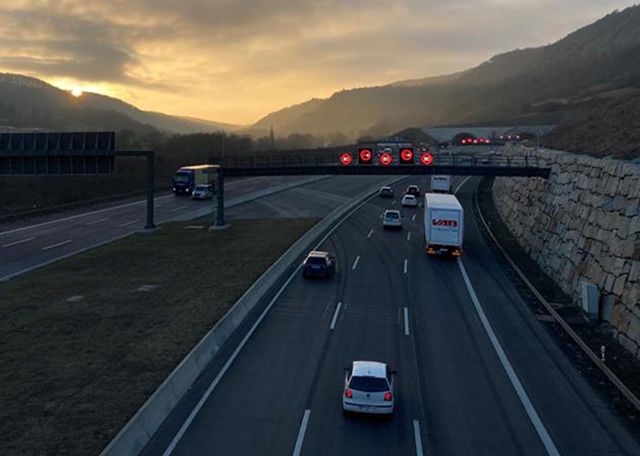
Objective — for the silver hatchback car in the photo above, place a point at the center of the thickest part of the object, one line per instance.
(368, 388)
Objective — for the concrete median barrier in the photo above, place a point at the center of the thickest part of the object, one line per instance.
(141, 427)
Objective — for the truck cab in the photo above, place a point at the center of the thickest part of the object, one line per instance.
(187, 178)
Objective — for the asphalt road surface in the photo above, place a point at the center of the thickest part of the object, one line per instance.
(25, 245)
(477, 373)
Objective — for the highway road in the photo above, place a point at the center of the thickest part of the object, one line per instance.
(28, 244)
(477, 372)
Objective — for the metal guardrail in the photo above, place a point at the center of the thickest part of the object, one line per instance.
(611, 376)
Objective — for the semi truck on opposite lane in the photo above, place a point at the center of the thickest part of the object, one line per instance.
(187, 178)
(443, 224)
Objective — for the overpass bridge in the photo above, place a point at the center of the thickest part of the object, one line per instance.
(454, 134)
(302, 164)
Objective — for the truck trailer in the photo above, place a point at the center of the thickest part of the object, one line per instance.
(187, 177)
(440, 183)
(443, 224)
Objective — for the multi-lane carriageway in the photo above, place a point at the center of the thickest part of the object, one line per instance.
(477, 373)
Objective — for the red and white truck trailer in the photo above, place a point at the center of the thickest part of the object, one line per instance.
(443, 224)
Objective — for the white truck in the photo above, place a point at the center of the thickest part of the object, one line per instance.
(440, 183)
(443, 224)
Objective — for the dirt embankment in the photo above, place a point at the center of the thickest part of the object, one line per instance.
(609, 129)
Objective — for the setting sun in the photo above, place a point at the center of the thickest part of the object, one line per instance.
(76, 91)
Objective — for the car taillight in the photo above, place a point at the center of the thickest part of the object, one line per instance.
(387, 396)
(348, 394)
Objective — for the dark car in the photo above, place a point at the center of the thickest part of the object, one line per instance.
(318, 264)
(413, 190)
(385, 192)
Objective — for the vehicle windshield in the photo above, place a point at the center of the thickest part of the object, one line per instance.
(369, 384)
(181, 177)
(315, 260)
(392, 215)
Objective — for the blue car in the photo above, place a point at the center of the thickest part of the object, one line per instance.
(318, 264)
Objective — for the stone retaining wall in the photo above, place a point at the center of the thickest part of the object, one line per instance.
(582, 223)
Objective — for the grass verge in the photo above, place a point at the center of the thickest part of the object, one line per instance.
(87, 340)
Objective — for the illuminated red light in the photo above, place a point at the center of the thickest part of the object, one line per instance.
(365, 155)
(406, 154)
(348, 394)
(426, 159)
(346, 159)
(388, 396)
(386, 159)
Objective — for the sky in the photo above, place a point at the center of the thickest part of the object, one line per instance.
(237, 60)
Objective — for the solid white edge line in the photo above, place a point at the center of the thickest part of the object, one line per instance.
(370, 233)
(355, 263)
(504, 360)
(335, 316)
(406, 321)
(205, 396)
(95, 222)
(99, 211)
(417, 438)
(85, 214)
(128, 223)
(59, 244)
(406, 265)
(183, 429)
(21, 241)
(303, 429)
(464, 181)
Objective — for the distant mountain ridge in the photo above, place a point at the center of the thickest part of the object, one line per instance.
(534, 85)
(27, 102)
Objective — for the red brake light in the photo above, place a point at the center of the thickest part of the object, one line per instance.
(387, 396)
(348, 394)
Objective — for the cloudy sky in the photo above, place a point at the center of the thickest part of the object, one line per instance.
(237, 60)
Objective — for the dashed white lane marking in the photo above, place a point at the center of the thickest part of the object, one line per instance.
(179, 208)
(417, 438)
(335, 316)
(53, 246)
(129, 223)
(95, 222)
(406, 265)
(393, 202)
(370, 233)
(21, 241)
(406, 321)
(303, 429)
(409, 236)
(506, 364)
(355, 263)
(413, 218)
